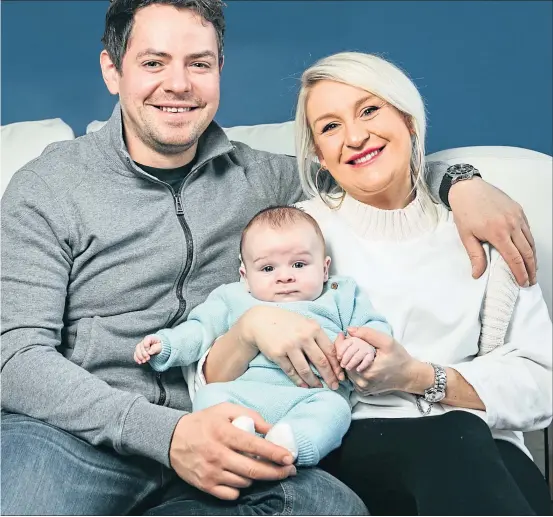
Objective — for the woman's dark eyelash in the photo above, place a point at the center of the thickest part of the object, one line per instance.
(327, 127)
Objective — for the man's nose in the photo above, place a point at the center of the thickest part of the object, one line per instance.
(178, 80)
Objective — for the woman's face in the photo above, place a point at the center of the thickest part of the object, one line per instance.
(364, 142)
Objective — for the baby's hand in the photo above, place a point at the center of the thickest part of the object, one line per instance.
(354, 353)
(149, 346)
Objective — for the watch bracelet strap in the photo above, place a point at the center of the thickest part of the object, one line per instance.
(445, 187)
(419, 399)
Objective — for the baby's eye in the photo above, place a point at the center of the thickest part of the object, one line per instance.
(299, 264)
(268, 269)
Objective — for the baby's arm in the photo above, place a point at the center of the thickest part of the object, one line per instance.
(187, 342)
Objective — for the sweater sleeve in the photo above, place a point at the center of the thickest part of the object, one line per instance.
(514, 379)
(364, 313)
(188, 342)
(37, 380)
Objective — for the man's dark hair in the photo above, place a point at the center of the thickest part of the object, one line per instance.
(120, 20)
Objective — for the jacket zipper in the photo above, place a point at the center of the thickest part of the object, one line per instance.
(182, 302)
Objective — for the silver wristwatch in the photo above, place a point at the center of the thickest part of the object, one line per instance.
(454, 174)
(436, 392)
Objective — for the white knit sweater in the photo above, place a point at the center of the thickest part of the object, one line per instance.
(418, 275)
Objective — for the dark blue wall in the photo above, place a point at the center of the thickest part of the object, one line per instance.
(484, 68)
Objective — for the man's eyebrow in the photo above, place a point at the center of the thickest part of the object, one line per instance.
(200, 55)
(165, 55)
(152, 52)
(356, 106)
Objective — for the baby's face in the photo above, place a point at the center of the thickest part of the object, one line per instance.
(284, 264)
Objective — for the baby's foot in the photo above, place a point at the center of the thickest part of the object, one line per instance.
(281, 434)
(245, 423)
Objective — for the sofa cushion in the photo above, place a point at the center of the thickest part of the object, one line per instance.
(24, 141)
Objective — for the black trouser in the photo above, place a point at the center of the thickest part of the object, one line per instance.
(438, 465)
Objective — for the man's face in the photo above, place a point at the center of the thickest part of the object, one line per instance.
(169, 84)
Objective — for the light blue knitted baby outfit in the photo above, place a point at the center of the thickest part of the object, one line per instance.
(319, 417)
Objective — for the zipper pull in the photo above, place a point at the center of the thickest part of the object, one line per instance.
(178, 204)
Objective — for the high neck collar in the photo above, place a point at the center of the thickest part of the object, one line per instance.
(420, 216)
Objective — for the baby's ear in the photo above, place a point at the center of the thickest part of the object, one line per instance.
(243, 277)
(328, 260)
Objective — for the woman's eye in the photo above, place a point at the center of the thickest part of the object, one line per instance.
(299, 264)
(268, 269)
(371, 110)
(330, 126)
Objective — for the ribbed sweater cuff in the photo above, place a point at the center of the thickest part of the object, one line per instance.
(148, 430)
(308, 455)
(159, 362)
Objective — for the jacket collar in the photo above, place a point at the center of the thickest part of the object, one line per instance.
(212, 143)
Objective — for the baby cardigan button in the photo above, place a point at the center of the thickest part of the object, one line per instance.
(334, 285)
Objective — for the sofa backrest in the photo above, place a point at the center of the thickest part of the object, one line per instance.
(523, 174)
(24, 141)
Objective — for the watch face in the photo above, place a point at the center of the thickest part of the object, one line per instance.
(433, 395)
(460, 169)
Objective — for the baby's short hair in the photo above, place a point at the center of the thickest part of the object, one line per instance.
(280, 216)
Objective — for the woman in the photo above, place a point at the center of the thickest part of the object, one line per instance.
(471, 357)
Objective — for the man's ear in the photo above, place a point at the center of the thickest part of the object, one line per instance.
(221, 63)
(328, 260)
(109, 73)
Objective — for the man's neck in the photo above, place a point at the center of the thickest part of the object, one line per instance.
(147, 156)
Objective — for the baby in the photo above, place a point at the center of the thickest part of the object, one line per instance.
(284, 264)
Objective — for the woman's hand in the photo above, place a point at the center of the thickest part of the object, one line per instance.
(393, 367)
(485, 213)
(292, 342)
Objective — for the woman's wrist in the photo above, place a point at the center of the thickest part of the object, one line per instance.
(420, 376)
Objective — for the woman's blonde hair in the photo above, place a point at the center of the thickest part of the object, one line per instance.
(377, 76)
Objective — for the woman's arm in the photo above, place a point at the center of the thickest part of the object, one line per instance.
(395, 369)
(229, 356)
(288, 339)
(459, 392)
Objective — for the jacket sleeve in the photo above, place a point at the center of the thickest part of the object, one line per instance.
(188, 342)
(36, 379)
(514, 379)
(286, 180)
(434, 173)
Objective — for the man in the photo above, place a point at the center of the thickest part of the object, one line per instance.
(110, 236)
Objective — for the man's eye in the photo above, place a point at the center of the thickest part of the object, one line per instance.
(299, 265)
(201, 65)
(268, 269)
(152, 64)
(330, 126)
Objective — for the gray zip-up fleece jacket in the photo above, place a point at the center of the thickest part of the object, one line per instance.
(96, 254)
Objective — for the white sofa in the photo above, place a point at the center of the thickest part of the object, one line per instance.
(523, 174)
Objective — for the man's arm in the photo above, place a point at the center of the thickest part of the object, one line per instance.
(484, 213)
(36, 379)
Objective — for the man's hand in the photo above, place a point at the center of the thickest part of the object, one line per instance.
(484, 213)
(207, 451)
(149, 346)
(293, 341)
(354, 353)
